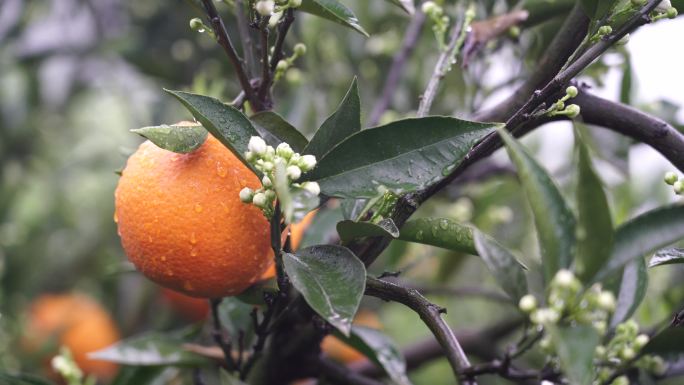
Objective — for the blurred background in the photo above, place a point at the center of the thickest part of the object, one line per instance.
(77, 75)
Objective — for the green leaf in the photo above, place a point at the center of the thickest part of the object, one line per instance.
(322, 228)
(144, 375)
(402, 156)
(575, 347)
(669, 341)
(350, 230)
(22, 379)
(553, 219)
(275, 130)
(645, 234)
(343, 123)
(235, 316)
(177, 138)
(406, 5)
(150, 349)
(632, 291)
(380, 349)
(353, 208)
(331, 279)
(295, 202)
(229, 379)
(595, 226)
(667, 257)
(509, 273)
(333, 11)
(226, 123)
(440, 232)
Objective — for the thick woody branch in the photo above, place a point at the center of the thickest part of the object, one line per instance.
(633, 123)
(431, 315)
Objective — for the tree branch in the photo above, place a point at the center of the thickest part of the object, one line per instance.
(245, 38)
(413, 31)
(224, 41)
(217, 334)
(431, 315)
(633, 123)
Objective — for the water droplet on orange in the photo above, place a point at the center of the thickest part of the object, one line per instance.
(198, 208)
(193, 238)
(193, 252)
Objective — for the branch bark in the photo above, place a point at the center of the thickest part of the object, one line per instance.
(431, 315)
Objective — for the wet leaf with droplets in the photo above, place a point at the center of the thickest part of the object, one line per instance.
(333, 11)
(275, 130)
(440, 232)
(381, 157)
(349, 230)
(331, 279)
(507, 270)
(379, 348)
(230, 126)
(667, 257)
(177, 138)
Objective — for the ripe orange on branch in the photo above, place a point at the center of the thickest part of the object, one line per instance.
(75, 321)
(182, 223)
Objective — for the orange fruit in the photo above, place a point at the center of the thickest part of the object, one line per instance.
(182, 223)
(340, 351)
(75, 321)
(192, 309)
(296, 235)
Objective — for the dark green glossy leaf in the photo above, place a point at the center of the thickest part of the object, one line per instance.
(402, 156)
(632, 291)
(645, 234)
(343, 123)
(380, 349)
(22, 379)
(177, 138)
(509, 273)
(333, 10)
(295, 202)
(575, 347)
(440, 232)
(229, 379)
(597, 9)
(322, 229)
(553, 219)
(150, 349)
(353, 208)
(595, 226)
(350, 230)
(331, 279)
(226, 123)
(406, 5)
(235, 318)
(667, 257)
(275, 130)
(669, 341)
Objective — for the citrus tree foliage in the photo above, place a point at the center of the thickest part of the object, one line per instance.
(409, 205)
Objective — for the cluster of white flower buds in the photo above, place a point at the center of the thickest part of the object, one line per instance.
(677, 183)
(274, 9)
(265, 158)
(559, 108)
(284, 64)
(440, 20)
(564, 300)
(663, 10)
(65, 365)
(570, 304)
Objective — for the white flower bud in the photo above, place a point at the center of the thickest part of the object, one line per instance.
(627, 353)
(671, 178)
(600, 351)
(246, 195)
(250, 156)
(267, 166)
(544, 316)
(299, 49)
(293, 172)
(282, 65)
(284, 150)
(257, 145)
(274, 19)
(260, 200)
(265, 7)
(307, 162)
(600, 327)
(429, 7)
(270, 152)
(572, 110)
(527, 303)
(663, 6)
(266, 181)
(312, 187)
(606, 301)
(196, 24)
(641, 340)
(678, 187)
(622, 380)
(571, 91)
(270, 195)
(564, 278)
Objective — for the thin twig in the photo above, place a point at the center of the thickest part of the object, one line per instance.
(283, 28)
(399, 61)
(245, 37)
(431, 315)
(265, 68)
(217, 333)
(444, 63)
(224, 40)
